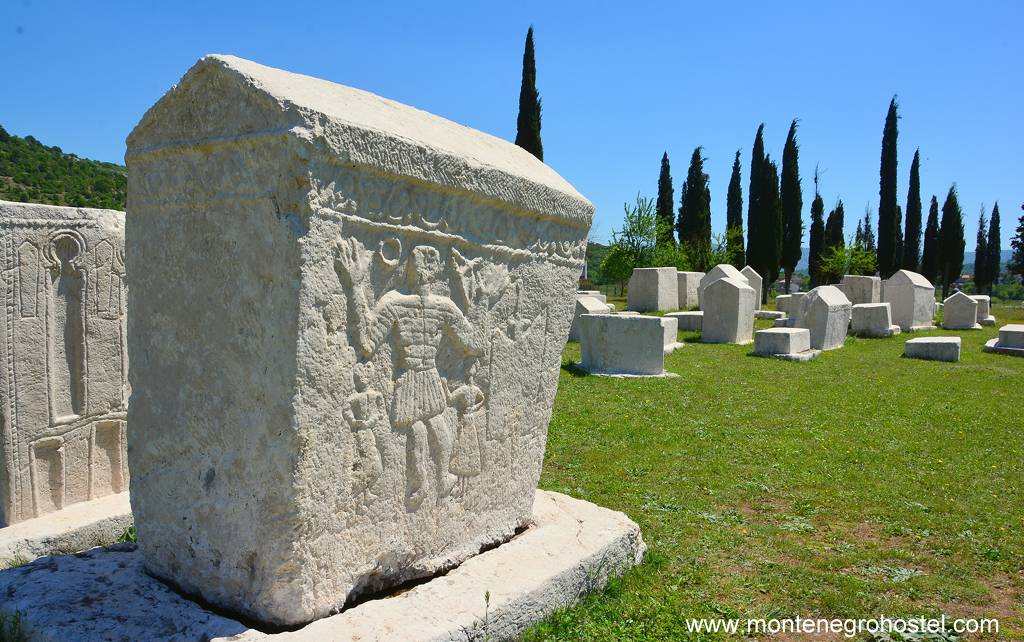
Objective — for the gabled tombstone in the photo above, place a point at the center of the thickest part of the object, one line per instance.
(755, 281)
(720, 271)
(960, 312)
(825, 311)
(911, 298)
(728, 312)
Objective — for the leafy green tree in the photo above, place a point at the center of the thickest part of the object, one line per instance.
(834, 226)
(734, 217)
(817, 236)
(992, 261)
(1016, 264)
(951, 241)
(839, 260)
(912, 235)
(888, 227)
(695, 209)
(528, 123)
(665, 207)
(930, 251)
(982, 280)
(792, 202)
(754, 209)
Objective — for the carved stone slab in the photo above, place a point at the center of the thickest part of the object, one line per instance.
(912, 300)
(64, 382)
(349, 319)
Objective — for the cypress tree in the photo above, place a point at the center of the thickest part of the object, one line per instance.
(888, 226)
(792, 203)
(1016, 264)
(734, 216)
(817, 237)
(930, 251)
(899, 238)
(695, 209)
(768, 252)
(981, 280)
(834, 227)
(528, 123)
(858, 236)
(664, 210)
(951, 241)
(992, 261)
(912, 234)
(753, 194)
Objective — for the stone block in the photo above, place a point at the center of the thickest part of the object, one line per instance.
(1010, 341)
(984, 309)
(728, 312)
(960, 312)
(596, 294)
(755, 281)
(720, 271)
(861, 289)
(349, 316)
(585, 305)
(617, 344)
(689, 321)
(911, 298)
(825, 311)
(782, 303)
(933, 348)
(793, 344)
(65, 380)
(670, 327)
(872, 320)
(769, 315)
(653, 289)
(688, 283)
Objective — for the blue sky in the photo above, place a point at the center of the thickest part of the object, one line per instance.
(620, 82)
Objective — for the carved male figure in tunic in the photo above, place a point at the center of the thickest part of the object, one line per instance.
(418, 321)
(363, 410)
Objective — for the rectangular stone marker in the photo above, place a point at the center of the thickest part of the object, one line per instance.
(596, 294)
(755, 281)
(348, 318)
(688, 283)
(960, 312)
(912, 300)
(872, 320)
(933, 348)
(861, 289)
(616, 344)
(653, 289)
(691, 320)
(783, 302)
(793, 344)
(670, 327)
(1010, 341)
(728, 312)
(65, 386)
(984, 309)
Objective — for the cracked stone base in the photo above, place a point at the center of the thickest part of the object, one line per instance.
(572, 548)
(80, 526)
(992, 345)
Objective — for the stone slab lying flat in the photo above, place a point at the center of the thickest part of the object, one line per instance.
(573, 547)
(1010, 341)
(992, 345)
(771, 315)
(75, 528)
(933, 348)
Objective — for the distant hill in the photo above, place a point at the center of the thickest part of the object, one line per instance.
(31, 172)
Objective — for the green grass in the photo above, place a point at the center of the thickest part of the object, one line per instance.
(855, 485)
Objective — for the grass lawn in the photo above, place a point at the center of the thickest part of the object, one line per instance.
(855, 485)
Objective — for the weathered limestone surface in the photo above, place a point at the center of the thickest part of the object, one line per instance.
(769, 315)
(348, 316)
(618, 344)
(755, 281)
(690, 320)
(861, 289)
(960, 312)
(912, 300)
(1010, 341)
(603, 298)
(984, 309)
(688, 283)
(872, 320)
(670, 328)
(793, 344)
(572, 547)
(653, 289)
(728, 312)
(585, 305)
(825, 311)
(782, 303)
(933, 348)
(64, 383)
(720, 271)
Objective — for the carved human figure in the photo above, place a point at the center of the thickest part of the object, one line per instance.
(363, 410)
(468, 400)
(417, 322)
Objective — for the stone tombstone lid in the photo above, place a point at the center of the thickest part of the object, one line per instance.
(349, 317)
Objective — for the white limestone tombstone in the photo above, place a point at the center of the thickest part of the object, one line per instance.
(65, 387)
(933, 348)
(783, 303)
(720, 271)
(755, 281)
(912, 300)
(603, 298)
(653, 289)
(688, 284)
(347, 320)
(872, 320)
(689, 320)
(617, 344)
(1010, 340)
(825, 311)
(792, 344)
(728, 312)
(861, 289)
(960, 312)
(585, 305)
(984, 309)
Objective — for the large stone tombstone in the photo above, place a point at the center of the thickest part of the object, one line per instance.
(825, 311)
(348, 317)
(912, 299)
(688, 284)
(625, 345)
(653, 289)
(861, 289)
(960, 312)
(720, 271)
(755, 281)
(65, 385)
(728, 312)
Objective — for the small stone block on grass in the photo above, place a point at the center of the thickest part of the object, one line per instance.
(933, 348)
(960, 312)
(872, 320)
(770, 315)
(1010, 341)
(793, 344)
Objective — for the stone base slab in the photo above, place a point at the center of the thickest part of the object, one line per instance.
(79, 526)
(933, 348)
(989, 320)
(771, 315)
(806, 355)
(572, 548)
(921, 328)
(891, 331)
(992, 345)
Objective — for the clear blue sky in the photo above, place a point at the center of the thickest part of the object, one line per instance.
(621, 82)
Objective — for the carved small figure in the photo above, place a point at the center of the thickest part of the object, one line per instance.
(468, 400)
(363, 409)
